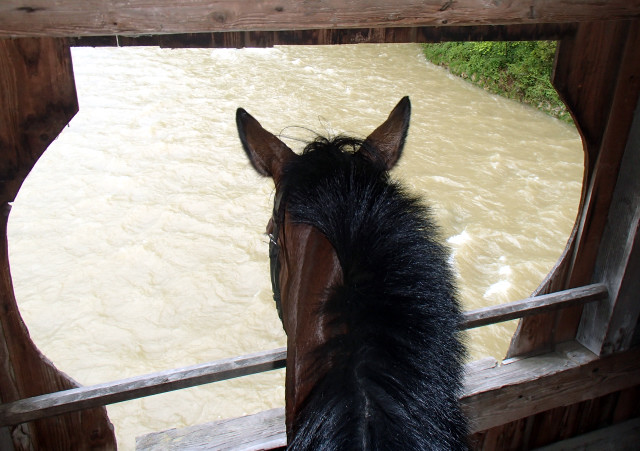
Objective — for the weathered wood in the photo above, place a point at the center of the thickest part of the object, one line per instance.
(597, 74)
(623, 436)
(531, 385)
(140, 386)
(37, 99)
(240, 39)
(263, 430)
(66, 18)
(609, 327)
(534, 305)
(493, 396)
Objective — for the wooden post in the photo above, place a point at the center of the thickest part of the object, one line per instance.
(37, 99)
(598, 76)
(609, 326)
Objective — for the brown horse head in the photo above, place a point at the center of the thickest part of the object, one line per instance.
(337, 284)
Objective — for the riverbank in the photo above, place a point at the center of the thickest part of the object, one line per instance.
(516, 70)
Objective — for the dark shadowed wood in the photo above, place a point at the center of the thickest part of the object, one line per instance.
(137, 17)
(240, 39)
(37, 99)
(624, 436)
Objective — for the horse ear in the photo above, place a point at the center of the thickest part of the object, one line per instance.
(386, 142)
(266, 152)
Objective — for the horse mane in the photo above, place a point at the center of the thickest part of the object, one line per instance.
(392, 381)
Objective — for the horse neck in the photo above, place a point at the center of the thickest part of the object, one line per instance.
(309, 268)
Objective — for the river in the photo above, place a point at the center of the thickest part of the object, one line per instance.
(137, 243)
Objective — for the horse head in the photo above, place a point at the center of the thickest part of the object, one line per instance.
(364, 293)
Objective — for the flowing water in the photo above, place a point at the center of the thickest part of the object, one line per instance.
(137, 243)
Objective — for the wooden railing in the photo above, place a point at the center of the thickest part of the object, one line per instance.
(51, 404)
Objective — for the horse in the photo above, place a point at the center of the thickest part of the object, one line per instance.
(365, 293)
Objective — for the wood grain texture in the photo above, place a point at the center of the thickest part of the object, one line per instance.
(263, 430)
(569, 375)
(66, 18)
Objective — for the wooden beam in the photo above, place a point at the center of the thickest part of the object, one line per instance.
(534, 305)
(609, 326)
(164, 381)
(66, 18)
(389, 35)
(138, 387)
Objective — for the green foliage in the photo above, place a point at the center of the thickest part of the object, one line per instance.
(518, 70)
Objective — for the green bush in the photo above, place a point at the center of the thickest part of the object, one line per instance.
(518, 70)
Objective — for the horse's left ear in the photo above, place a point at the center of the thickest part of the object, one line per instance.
(387, 141)
(267, 153)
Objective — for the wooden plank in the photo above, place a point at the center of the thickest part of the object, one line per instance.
(396, 35)
(569, 375)
(263, 430)
(534, 305)
(137, 387)
(66, 18)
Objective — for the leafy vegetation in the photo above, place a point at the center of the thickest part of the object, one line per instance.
(517, 70)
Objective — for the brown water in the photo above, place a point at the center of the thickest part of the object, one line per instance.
(137, 242)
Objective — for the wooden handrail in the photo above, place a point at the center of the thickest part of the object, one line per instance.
(51, 404)
(534, 305)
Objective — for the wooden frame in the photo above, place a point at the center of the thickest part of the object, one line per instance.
(597, 73)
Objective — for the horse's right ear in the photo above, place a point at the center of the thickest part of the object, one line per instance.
(267, 153)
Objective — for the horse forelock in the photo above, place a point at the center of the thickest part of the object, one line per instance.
(393, 379)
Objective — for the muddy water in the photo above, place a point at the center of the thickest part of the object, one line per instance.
(137, 242)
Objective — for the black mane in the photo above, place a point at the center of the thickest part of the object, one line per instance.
(393, 381)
